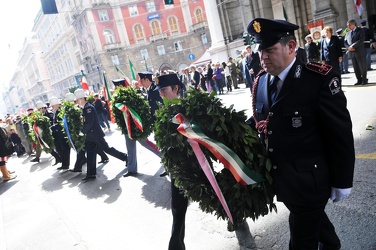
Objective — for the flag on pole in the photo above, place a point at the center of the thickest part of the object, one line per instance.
(84, 84)
(359, 8)
(284, 12)
(107, 96)
(132, 70)
(119, 71)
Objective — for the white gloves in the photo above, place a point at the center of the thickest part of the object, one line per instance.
(339, 194)
(81, 134)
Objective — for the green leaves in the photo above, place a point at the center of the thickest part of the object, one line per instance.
(228, 127)
(42, 122)
(129, 97)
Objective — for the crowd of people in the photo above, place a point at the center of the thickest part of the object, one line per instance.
(335, 50)
(307, 131)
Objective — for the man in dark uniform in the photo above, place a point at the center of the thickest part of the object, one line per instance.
(169, 87)
(252, 66)
(60, 140)
(300, 112)
(344, 65)
(94, 136)
(153, 99)
(368, 39)
(354, 39)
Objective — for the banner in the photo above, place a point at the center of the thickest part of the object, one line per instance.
(315, 27)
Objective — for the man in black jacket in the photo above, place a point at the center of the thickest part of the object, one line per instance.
(300, 112)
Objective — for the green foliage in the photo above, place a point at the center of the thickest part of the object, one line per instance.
(90, 98)
(73, 114)
(224, 125)
(129, 97)
(26, 126)
(43, 122)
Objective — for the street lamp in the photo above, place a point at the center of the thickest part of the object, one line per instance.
(146, 66)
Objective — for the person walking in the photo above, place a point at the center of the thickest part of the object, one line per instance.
(301, 115)
(169, 87)
(354, 39)
(94, 136)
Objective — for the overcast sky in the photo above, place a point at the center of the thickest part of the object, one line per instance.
(16, 22)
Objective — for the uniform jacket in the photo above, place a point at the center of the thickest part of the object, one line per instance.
(153, 98)
(56, 128)
(309, 133)
(368, 37)
(91, 128)
(357, 41)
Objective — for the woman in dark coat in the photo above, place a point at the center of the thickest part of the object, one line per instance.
(6, 149)
(331, 49)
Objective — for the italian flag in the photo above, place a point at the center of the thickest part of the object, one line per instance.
(129, 113)
(84, 84)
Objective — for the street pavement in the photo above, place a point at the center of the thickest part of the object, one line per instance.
(49, 209)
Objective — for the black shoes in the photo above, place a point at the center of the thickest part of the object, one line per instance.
(358, 83)
(62, 168)
(56, 162)
(75, 170)
(129, 174)
(365, 82)
(89, 177)
(36, 159)
(163, 174)
(104, 161)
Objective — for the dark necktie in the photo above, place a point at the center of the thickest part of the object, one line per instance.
(273, 89)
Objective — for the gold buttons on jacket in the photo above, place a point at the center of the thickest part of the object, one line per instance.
(271, 114)
(296, 113)
(270, 149)
(274, 167)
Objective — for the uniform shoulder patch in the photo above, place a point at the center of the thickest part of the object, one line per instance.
(319, 68)
(335, 86)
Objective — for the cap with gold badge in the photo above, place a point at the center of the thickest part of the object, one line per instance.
(268, 32)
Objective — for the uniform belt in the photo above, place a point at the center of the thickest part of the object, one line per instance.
(367, 42)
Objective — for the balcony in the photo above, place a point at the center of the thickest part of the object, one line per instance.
(162, 36)
(199, 26)
(112, 46)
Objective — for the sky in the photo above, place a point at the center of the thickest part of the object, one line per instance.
(16, 23)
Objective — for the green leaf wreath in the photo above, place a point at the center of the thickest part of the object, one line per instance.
(224, 125)
(129, 97)
(73, 114)
(26, 127)
(42, 122)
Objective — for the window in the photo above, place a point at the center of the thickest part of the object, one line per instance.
(115, 59)
(204, 39)
(108, 36)
(155, 27)
(144, 54)
(133, 11)
(150, 6)
(178, 46)
(138, 32)
(103, 16)
(198, 15)
(161, 50)
(172, 24)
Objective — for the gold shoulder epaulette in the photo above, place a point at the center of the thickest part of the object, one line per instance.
(318, 68)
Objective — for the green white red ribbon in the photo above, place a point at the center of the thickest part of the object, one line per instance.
(38, 132)
(129, 113)
(225, 155)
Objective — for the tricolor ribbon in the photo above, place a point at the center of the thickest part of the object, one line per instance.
(225, 155)
(129, 113)
(65, 122)
(38, 132)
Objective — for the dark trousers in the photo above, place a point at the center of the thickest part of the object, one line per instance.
(102, 144)
(309, 226)
(81, 158)
(360, 68)
(91, 151)
(56, 155)
(63, 149)
(179, 205)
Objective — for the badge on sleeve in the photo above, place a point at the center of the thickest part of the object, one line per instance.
(335, 86)
(88, 111)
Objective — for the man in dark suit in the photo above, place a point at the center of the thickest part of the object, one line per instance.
(368, 39)
(300, 112)
(356, 51)
(94, 136)
(252, 66)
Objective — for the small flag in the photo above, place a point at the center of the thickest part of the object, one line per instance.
(84, 84)
(359, 8)
(284, 12)
(132, 70)
(127, 82)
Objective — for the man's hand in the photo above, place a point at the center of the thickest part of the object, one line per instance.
(339, 194)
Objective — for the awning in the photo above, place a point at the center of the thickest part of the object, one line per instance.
(204, 59)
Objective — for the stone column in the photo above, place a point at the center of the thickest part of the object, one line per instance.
(218, 48)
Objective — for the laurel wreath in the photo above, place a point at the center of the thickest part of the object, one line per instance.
(224, 125)
(42, 122)
(131, 98)
(73, 114)
(26, 127)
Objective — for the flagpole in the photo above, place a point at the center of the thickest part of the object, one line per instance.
(108, 97)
